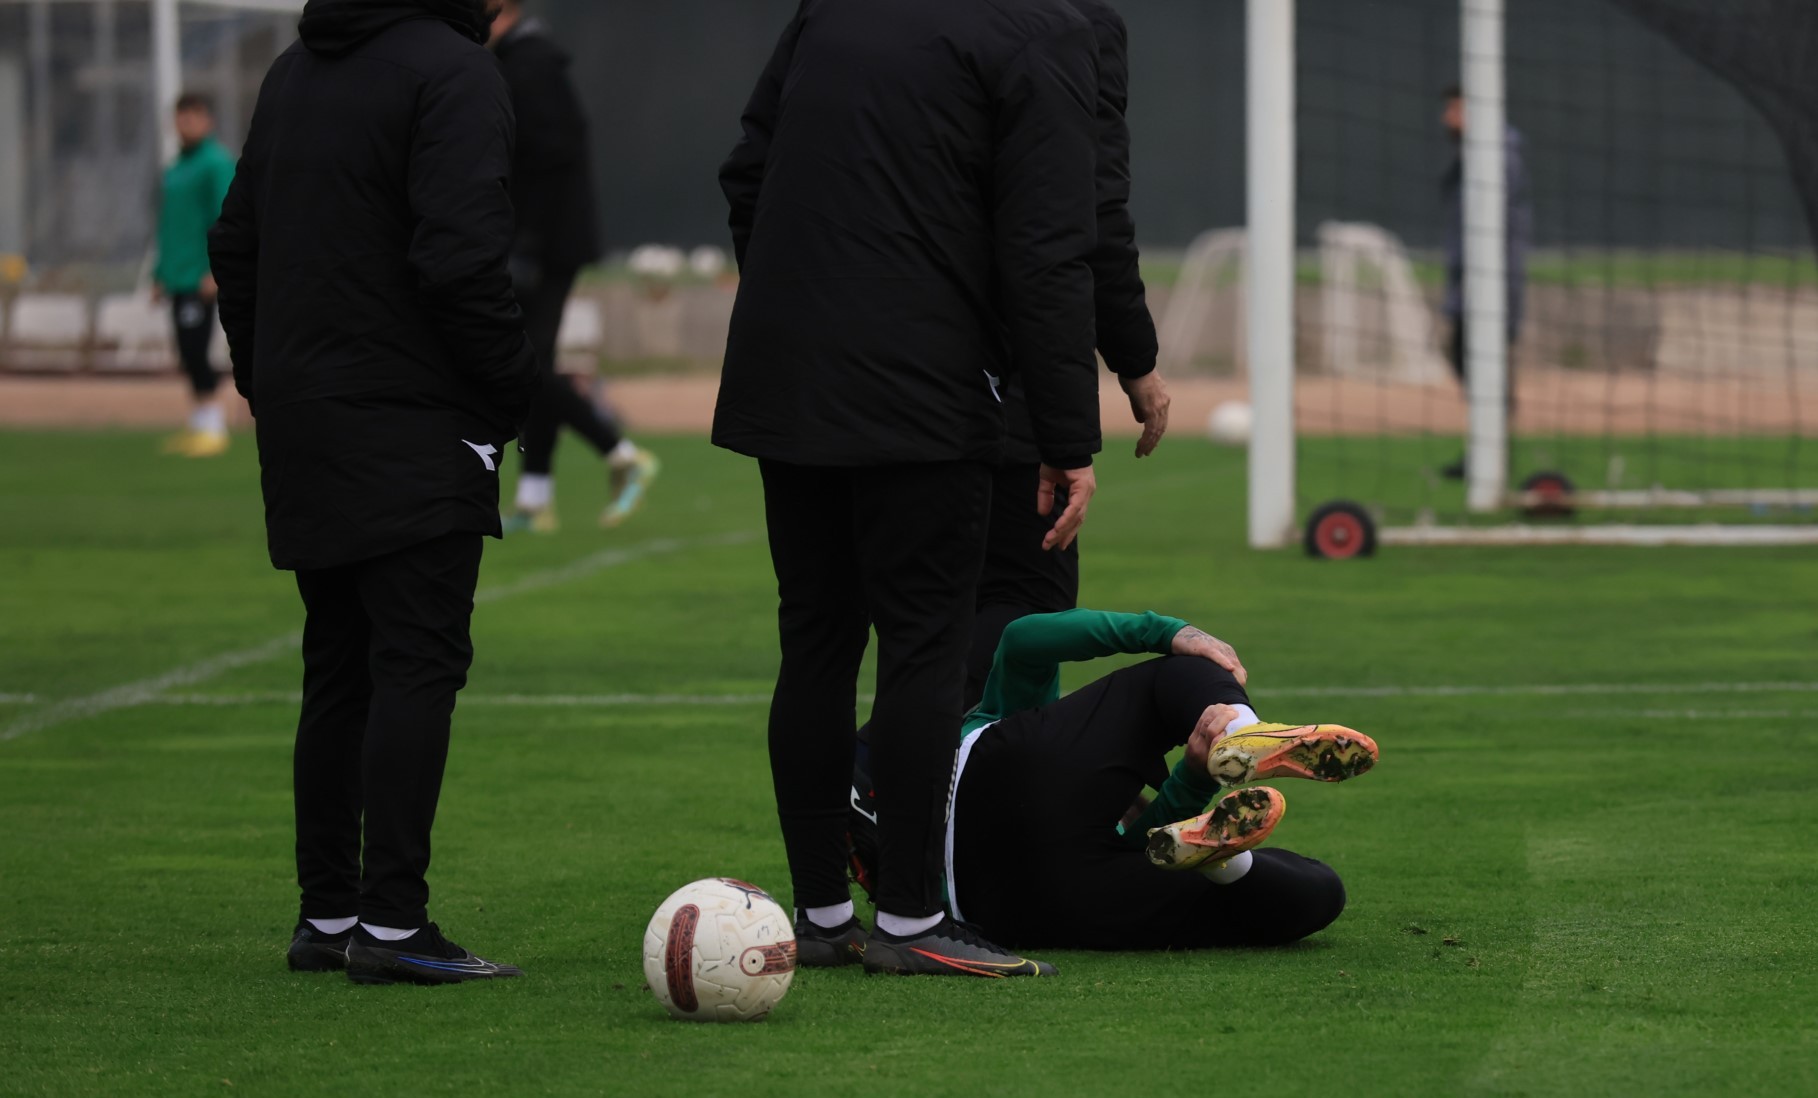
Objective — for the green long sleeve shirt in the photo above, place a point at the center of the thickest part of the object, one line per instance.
(1025, 674)
(195, 185)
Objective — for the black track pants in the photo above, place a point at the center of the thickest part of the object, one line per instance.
(897, 548)
(557, 404)
(385, 649)
(195, 323)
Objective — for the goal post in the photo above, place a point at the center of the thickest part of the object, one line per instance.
(1270, 200)
(1626, 218)
(1486, 257)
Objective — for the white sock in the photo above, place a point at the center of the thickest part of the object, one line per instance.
(1231, 870)
(904, 926)
(829, 918)
(623, 454)
(208, 419)
(535, 491)
(333, 927)
(389, 933)
(1244, 719)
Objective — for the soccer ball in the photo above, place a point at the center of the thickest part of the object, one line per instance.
(1230, 423)
(719, 950)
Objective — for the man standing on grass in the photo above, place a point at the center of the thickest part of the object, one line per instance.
(1020, 577)
(194, 185)
(362, 263)
(558, 234)
(914, 213)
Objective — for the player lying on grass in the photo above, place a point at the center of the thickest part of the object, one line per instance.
(1048, 841)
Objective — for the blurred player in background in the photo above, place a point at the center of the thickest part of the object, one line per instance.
(1050, 842)
(194, 186)
(1519, 228)
(362, 255)
(558, 234)
(914, 214)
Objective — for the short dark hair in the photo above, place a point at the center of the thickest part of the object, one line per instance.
(195, 101)
(1451, 92)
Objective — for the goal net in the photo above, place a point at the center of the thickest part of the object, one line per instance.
(86, 91)
(1594, 317)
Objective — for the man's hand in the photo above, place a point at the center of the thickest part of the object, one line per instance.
(1080, 484)
(208, 290)
(1149, 401)
(1209, 730)
(1197, 642)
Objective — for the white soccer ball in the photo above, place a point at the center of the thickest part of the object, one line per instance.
(719, 950)
(1230, 423)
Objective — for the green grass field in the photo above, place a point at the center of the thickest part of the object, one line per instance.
(1585, 865)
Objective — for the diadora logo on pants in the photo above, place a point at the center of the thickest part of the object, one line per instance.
(487, 452)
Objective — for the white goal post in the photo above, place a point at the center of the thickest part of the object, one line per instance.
(1269, 318)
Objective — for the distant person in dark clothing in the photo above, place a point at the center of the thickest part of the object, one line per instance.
(1519, 227)
(914, 214)
(558, 234)
(1020, 577)
(362, 262)
(194, 185)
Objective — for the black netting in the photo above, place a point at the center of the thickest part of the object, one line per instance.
(1766, 49)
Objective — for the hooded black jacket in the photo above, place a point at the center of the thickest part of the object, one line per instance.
(361, 256)
(551, 174)
(1126, 330)
(914, 212)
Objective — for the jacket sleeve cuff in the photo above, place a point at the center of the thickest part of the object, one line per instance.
(1131, 368)
(1079, 461)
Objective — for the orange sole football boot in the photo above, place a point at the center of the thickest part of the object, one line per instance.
(1318, 752)
(1240, 821)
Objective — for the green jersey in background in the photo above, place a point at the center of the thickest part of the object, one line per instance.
(195, 185)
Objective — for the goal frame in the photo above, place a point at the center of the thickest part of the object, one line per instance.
(1271, 64)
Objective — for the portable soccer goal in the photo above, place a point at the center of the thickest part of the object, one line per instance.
(1638, 315)
(86, 91)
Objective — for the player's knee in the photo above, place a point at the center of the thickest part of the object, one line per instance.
(1325, 899)
(1315, 900)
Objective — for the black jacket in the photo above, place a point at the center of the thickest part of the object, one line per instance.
(1126, 330)
(551, 174)
(914, 214)
(361, 256)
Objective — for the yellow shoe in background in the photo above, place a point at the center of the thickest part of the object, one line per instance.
(207, 444)
(628, 483)
(538, 520)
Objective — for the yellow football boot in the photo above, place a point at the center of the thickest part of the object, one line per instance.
(1240, 821)
(1319, 752)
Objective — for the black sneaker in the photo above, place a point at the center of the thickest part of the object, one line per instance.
(313, 951)
(423, 958)
(949, 949)
(1454, 471)
(819, 947)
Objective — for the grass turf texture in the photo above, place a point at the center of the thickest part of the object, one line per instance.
(1568, 894)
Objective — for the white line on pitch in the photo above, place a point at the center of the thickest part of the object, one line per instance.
(608, 701)
(1538, 690)
(147, 690)
(1698, 714)
(548, 701)
(17, 699)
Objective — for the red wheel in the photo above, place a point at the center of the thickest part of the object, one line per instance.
(1548, 495)
(1341, 531)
